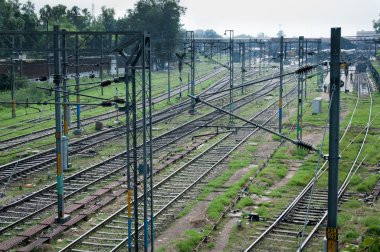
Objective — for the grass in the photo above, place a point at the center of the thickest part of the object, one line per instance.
(49, 142)
(159, 85)
(356, 221)
(368, 183)
(246, 201)
(376, 64)
(239, 160)
(191, 238)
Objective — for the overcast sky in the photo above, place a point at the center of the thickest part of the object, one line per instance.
(295, 17)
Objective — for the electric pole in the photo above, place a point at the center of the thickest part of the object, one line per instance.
(77, 84)
(190, 35)
(281, 83)
(66, 109)
(13, 81)
(231, 50)
(300, 93)
(61, 218)
(242, 67)
(168, 69)
(332, 209)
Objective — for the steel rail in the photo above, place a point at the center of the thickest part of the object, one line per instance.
(292, 204)
(159, 116)
(349, 176)
(166, 180)
(246, 99)
(108, 115)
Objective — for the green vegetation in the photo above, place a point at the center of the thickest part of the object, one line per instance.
(191, 239)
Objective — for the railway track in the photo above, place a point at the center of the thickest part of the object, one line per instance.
(110, 234)
(296, 225)
(36, 135)
(20, 211)
(37, 162)
(20, 126)
(41, 160)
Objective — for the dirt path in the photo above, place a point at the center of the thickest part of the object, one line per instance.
(224, 235)
(195, 219)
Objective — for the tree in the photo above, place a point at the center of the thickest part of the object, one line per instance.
(210, 33)
(262, 35)
(199, 33)
(58, 12)
(107, 17)
(242, 36)
(29, 16)
(159, 17)
(376, 25)
(46, 14)
(280, 33)
(10, 15)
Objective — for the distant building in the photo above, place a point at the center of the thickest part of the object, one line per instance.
(366, 34)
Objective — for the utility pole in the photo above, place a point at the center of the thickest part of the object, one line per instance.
(66, 109)
(77, 83)
(149, 140)
(231, 51)
(135, 165)
(332, 209)
(13, 94)
(168, 69)
(127, 138)
(190, 34)
(254, 53)
(306, 51)
(47, 54)
(20, 55)
(188, 82)
(281, 83)
(300, 93)
(116, 56)
(320, 68)
(101, 66)
(243, 67)
(61, 218)
(250, 53)
(306, 62)
(261, 57)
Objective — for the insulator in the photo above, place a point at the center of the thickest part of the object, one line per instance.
(304, 69)
(305, 145)
(106, 104)
(105, 83)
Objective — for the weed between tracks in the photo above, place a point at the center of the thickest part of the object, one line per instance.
(356, 220)
(240, 159)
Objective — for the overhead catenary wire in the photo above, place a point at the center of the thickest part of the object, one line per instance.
(350, 174)
(106, 103)
(299, 143)
(300, 70)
